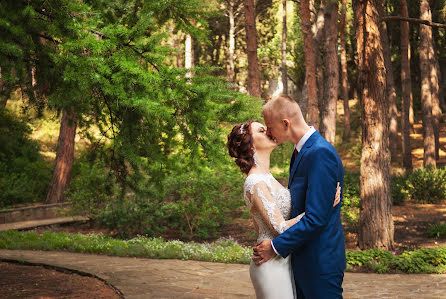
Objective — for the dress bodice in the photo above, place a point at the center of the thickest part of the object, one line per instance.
(269, 203)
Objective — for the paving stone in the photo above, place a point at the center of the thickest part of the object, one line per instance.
(151, 278)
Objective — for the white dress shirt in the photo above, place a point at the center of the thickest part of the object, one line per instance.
(298, 147)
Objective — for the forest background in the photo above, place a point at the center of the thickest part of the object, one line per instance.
(123, 107)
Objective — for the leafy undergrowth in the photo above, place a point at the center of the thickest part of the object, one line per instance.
(426, 260)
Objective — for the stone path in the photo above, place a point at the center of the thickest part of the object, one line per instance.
(150, 278)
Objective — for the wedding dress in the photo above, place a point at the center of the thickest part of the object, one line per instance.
(270, 206)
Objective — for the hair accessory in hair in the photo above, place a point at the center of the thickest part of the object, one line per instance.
(241, 128)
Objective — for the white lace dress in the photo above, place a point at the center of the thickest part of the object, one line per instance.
(270, 206)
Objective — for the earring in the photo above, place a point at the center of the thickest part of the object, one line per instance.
(255, 157)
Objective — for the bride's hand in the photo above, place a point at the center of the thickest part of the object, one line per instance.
(338, 195)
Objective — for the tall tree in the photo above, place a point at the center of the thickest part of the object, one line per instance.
(310, 64)
(64, 157)
(375, 220)
(344, 75)
(328, 123)
(284, 41)
(435, 89)
(390, 88)
(251, 42)
(231, 37)
(426, 90)
(406, 88)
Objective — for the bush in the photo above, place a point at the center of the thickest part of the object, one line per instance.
(91, 187)
(437, 230)
(198, 202)
(195, 202)
(427, 185)
(24, 175)
(351, 200)
(399, 190)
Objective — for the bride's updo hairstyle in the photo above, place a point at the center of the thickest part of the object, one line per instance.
(240, 145)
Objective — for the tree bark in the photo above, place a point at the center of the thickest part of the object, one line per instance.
(406, 86)
(390, 89)
(188, 55)
(310, 65)
(64, 157)
(426, 91)
(328, 125)
(344, 75)
(375, 221)
(284, 41)
(231, 72)
(251, 42)
(435, 89)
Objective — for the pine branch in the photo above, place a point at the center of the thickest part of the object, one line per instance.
(413, 20)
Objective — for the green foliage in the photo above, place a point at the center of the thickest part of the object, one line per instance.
(222, 251)
(199, 201)
(351, 200)
(91, 188)
(426, 260)
(24, 175)
(427, 185)
(424, 185)
(437, 230)
(399, 192)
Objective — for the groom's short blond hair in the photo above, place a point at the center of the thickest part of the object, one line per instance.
(282, 107)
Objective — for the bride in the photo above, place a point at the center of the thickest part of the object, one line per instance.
(269, 204)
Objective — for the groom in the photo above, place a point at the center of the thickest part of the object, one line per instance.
(316, 242)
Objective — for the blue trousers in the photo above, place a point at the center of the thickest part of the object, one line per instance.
(325, 286)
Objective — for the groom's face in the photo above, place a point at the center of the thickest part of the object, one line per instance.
(274, 128)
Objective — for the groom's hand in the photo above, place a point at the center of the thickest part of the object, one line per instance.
(263, 252)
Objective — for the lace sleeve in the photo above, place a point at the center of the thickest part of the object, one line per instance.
(263, 202)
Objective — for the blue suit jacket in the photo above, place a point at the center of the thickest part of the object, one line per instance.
(316, 242)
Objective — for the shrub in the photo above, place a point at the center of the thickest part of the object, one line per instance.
(399, 189)
(351, 200)
(199, 201)
(437, 230)
(427, 185)
(24, 175)
(91, 187)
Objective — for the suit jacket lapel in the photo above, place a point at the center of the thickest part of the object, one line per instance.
(306, 146)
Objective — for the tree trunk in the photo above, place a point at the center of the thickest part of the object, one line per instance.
(435, 89)
(251, 42)
(390, 88)
(310, 65)
(328, 125)
(375, 220)
(64, 158)
(284, 30)
(344, 75)
(426, 91)
(3, 96)
(406, 86)
(231, 72)
(189, 55)
(317, 29)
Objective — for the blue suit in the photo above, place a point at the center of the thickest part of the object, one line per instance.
(316, 242)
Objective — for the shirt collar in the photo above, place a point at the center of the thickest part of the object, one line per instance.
(304, 139)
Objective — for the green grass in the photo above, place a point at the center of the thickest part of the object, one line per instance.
(426, 260)
(223, 251)
(437, 230)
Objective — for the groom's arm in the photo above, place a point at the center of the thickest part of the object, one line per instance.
(321, 189)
